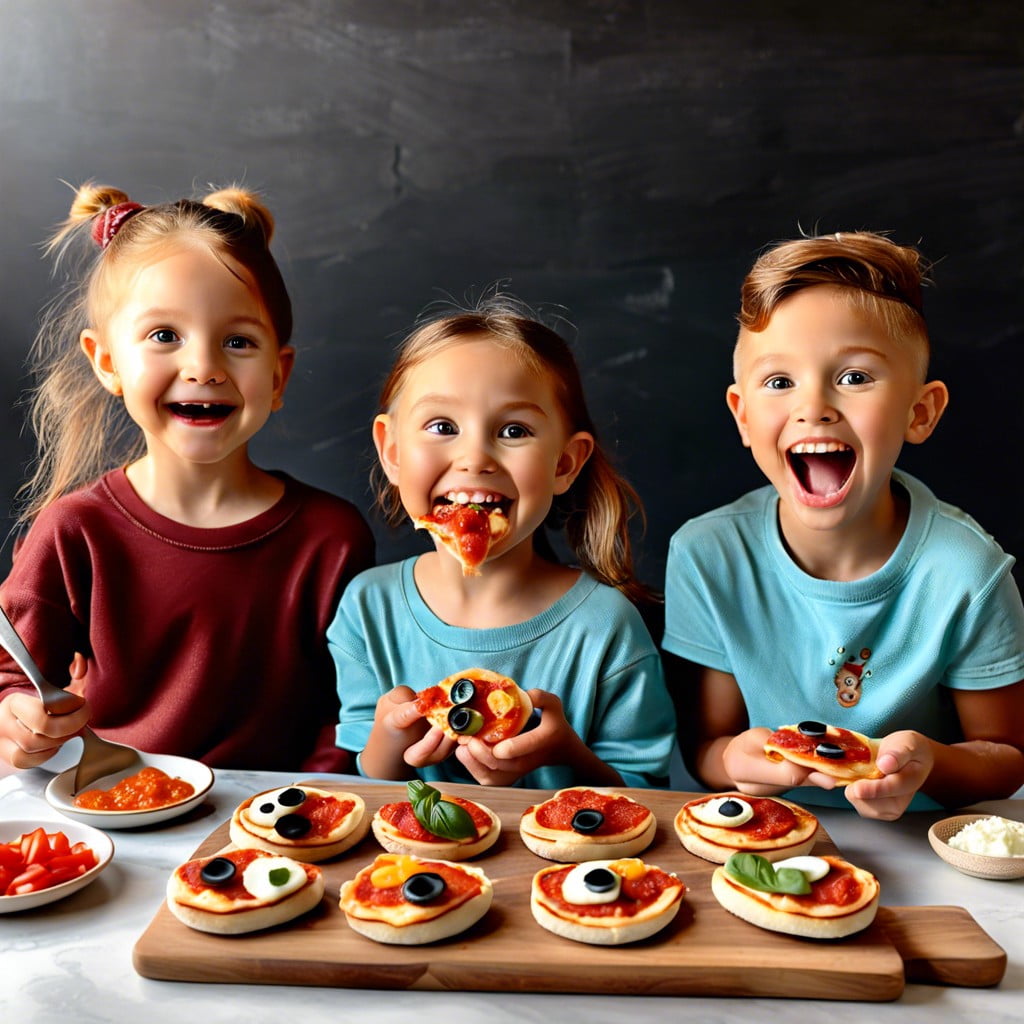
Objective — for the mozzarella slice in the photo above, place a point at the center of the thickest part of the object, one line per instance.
(288, 876)
(723, 811)
(814, 868)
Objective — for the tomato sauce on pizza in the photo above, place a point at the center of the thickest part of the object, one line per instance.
(459, 886)
(620, 813)
(634, 896)
(839, 888)
(325, 813)
(401, 816)
(771, 819)
(852, 746)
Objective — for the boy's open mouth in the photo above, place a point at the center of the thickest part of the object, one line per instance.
(822, 468)
(201, 412)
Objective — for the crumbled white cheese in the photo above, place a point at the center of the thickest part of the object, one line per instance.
(993, 837)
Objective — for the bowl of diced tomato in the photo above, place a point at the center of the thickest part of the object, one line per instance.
(44, 861)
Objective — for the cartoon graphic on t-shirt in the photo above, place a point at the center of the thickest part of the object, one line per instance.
(850, 676)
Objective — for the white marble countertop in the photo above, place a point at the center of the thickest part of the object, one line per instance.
(70, 962)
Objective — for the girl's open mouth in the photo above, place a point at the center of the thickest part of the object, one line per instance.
(485, 499)
(822, 470)
(201, 412)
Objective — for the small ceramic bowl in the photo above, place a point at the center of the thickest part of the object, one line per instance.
(98, 842)
(977, 864)
(59, 793)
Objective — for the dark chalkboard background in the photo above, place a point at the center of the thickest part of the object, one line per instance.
(623, 160)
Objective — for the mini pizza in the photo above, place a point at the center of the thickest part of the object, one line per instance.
(301, 822)
(476, 702)
(582, 824)
(715, 827)
(845, 755)
(466, 529)
(813, 897)
(605, 902)
(241, 891)
(405, 900)
(432, 824)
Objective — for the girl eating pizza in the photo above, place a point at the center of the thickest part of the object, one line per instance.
(484, 439)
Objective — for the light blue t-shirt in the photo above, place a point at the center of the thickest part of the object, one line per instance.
(590, 648)
(875, 655)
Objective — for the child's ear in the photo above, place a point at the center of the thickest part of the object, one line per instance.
(100, 360)
(387, 446)
(574, 456)
(282, 371)
(926, 412)
(734, 400)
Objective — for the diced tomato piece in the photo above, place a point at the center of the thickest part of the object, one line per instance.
(35, 876)
(6, 877)
(34, 844)
(10, 856)
(59, 843)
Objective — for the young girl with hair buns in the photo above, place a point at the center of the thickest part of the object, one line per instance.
(485, 407)
(188, 588)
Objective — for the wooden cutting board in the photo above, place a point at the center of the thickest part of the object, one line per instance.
(705, 951)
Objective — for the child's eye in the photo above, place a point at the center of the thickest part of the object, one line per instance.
(778, 383)
(854, 378)
(444, 427)
(513, 432)
(165, 336)
(238, 341)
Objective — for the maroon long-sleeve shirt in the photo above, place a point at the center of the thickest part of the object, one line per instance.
(209, 643)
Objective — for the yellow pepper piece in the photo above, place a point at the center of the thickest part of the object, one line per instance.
(392, 869)
(629, 867)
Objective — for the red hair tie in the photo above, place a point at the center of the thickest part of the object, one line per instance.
(108, 223)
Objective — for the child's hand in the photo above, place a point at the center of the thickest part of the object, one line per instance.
(400, 737)
(906, 759)
(745, 763)
(29, 736)
(553, 741)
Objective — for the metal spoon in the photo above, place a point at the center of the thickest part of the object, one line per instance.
(99, 757)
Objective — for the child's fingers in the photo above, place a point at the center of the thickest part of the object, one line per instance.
(431, 748)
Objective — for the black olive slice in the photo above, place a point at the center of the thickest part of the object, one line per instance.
(267, 808)
(218, 871)
(423, 887)
(291, 797)
(462, 691)
(829, 750)
(812, 728)
(292, 826)
(600, 880)
(730, 808)
(465, 721)
(587, 820)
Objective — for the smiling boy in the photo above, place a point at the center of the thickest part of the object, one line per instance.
(828, 595)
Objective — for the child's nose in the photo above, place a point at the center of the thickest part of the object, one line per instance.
(202, 368)
(474, 455)
(815, 407)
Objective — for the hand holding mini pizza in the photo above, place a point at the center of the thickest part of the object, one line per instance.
(476, 702)
(844, 755)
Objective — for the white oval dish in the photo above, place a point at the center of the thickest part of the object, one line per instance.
(59, 793)
(99, 842)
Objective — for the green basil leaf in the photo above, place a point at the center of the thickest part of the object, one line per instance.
(450, 821)
(279, 876)
(753, 871)
(439, 817)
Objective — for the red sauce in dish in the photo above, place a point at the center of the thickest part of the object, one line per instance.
(459, 886)
(854, 749)
(401, 816)
(145, 791)
(620, 813)
(634, 896)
